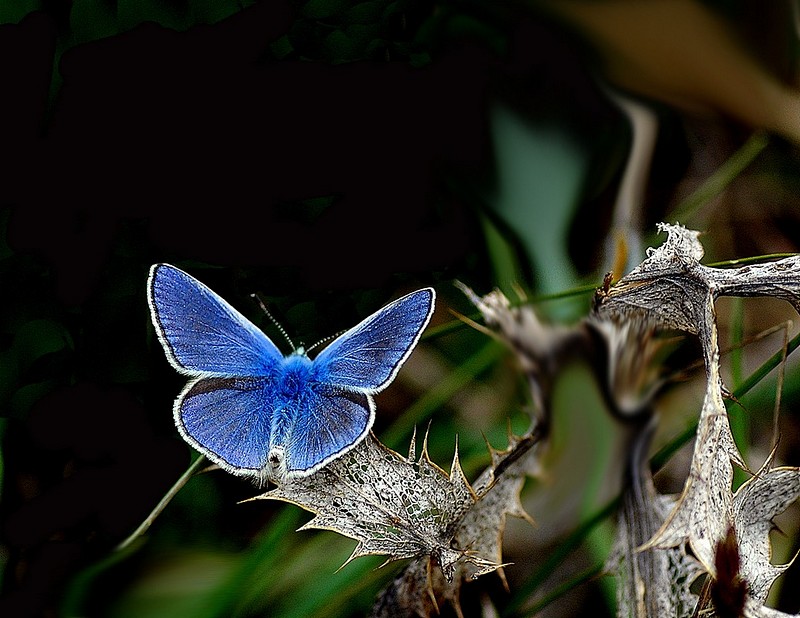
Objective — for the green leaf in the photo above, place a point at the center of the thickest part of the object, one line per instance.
(540, 178)
(323, 9)
(14, 11)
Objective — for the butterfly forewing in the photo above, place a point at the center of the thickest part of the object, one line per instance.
(201, 333)
(368, 356)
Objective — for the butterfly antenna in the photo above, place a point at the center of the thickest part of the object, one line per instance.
(274, 321)
(325, 340)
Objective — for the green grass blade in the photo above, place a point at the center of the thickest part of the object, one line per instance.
(661, 457)
(437, 396)
(721, 178)
(548, 567)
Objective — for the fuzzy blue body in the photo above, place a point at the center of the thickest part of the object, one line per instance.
(293, 383)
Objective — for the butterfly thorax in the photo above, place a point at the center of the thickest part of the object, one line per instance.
(294, 376)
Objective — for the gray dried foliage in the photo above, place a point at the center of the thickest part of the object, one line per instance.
(408, 507)
(767, 494)
(671, 289)
(452, 530)
(420, 588)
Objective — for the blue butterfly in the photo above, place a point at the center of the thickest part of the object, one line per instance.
(254, 411)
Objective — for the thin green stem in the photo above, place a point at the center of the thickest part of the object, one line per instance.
(739, 420)
(737, 335)
(443, 391)
(560, 591)
(754, 259)
(163, 503)
(767, 366)
(661, 457)
(580, 290)
(722, 177)
(564, 549)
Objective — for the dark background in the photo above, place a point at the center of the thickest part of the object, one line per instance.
(321, 186)
(260, 156)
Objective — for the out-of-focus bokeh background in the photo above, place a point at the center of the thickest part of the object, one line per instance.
(331, 155)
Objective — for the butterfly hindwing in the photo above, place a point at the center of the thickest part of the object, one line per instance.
(368, 356)
(329, 421)
(203, 334)
(226, 420)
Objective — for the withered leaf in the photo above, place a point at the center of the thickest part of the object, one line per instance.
(497, 490)
(394, 506)
(704, 511)
(755, 503)
(418, 590)
(672, 289)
